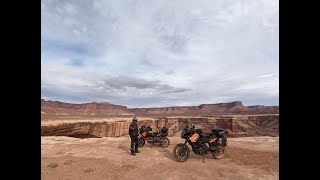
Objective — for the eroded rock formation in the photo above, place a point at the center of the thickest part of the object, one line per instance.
(235, 125)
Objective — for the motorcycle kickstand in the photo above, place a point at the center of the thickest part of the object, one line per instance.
(203, 158)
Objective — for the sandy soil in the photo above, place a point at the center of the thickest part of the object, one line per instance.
(109, 158)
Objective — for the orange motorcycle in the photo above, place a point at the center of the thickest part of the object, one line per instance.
(213, 143)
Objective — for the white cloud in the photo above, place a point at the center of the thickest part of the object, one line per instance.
(265, 75)
(207, 52)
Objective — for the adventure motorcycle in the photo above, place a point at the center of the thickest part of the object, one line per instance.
(155, 138)
(213, 143)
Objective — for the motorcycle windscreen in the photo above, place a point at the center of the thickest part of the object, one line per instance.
(194, 137)
(183, 133)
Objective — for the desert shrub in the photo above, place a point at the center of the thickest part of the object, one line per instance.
(88, 170)
(53, 164)
(68, 161)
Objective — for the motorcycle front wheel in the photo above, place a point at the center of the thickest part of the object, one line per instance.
(141, 142)
(181, 152)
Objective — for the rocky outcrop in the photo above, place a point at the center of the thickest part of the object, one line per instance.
(94, 108)
(251, 125)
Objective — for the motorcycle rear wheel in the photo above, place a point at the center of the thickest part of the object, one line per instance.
(165, 142)
(220, 154)
(181, 152)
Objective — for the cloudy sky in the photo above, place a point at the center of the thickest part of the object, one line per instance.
(154, 53)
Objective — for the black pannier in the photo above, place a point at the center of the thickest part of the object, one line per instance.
(219, 132)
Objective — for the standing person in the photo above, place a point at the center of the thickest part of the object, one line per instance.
(133, 132)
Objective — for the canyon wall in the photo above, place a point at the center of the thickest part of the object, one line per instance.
(238, 119)
(235, 125)
(94, 129)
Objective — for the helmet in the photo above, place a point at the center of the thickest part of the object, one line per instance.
(134, 119)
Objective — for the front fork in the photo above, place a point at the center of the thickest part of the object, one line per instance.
(186, 146)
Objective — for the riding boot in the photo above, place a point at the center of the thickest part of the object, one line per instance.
(136, 149)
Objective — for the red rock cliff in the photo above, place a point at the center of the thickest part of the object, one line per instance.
(110, 109)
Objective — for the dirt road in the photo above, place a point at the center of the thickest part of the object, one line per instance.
(109, 158)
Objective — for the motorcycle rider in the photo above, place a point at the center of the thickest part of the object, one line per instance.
(133, 132)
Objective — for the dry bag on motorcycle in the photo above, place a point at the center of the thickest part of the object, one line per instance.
(164, 131)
